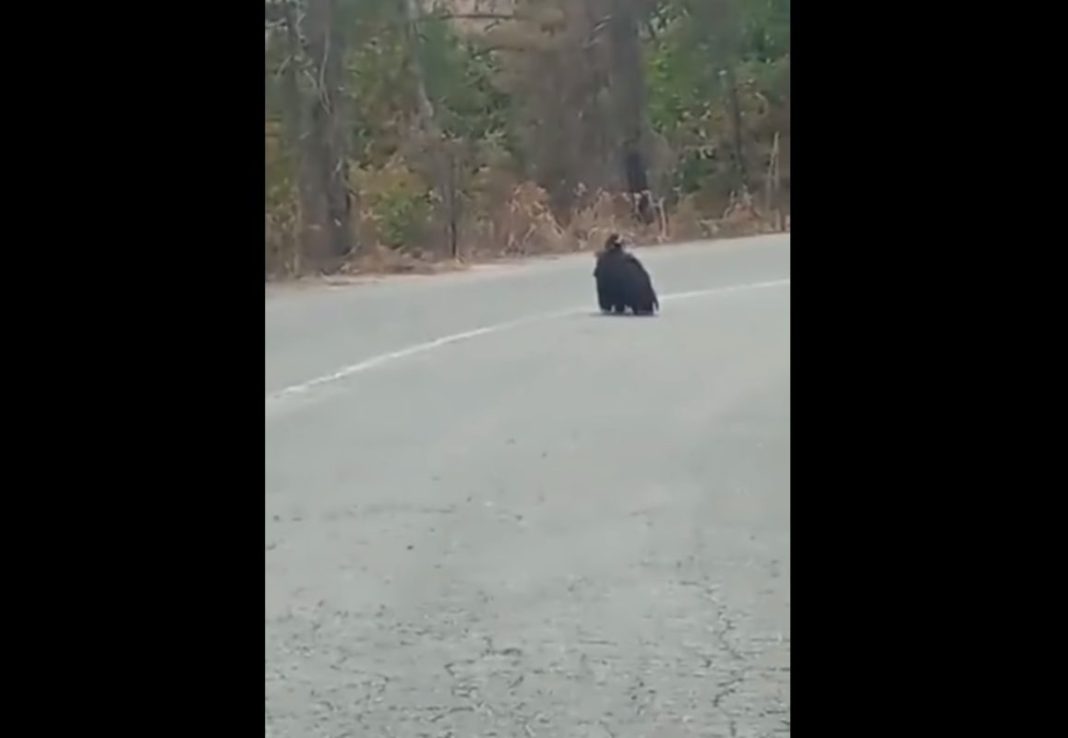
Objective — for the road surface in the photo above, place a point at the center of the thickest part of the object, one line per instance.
(491, 511)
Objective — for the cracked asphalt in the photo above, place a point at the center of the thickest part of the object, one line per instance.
(572, 526)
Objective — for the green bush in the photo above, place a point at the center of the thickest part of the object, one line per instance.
(397, 202)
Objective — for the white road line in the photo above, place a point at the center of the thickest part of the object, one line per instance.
(419, 348)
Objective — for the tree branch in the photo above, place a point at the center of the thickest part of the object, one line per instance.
(470, 16)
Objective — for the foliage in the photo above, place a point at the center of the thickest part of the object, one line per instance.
(397, 203)
(459, 79)
(695, 43)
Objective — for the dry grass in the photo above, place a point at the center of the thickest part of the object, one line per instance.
(607, 213)
(520, 223)
(377, 259)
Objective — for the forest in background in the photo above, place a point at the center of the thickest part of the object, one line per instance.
(409, 135)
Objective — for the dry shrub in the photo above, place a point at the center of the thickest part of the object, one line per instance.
(614, 212)
(607, 212)
(395, 206)
(519, 226)
(742, 218)
(377, 259)
(523, 223)
(687, 221)
(530, 225)
(505, 217)
(282, 252)
(695, 217)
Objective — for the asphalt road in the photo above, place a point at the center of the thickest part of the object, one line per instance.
(491, 511)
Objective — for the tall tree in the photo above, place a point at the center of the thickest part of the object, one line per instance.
(628, 88)
(324, 171)
(440, 154)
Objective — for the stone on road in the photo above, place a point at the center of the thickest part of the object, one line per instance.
(574, 525)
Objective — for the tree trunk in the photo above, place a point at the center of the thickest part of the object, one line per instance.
(741, 172)
(630, 95)
(293, 119)
(426, 121)
(324, 175)
(441, 155)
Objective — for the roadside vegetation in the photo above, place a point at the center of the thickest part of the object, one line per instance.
(410, 135)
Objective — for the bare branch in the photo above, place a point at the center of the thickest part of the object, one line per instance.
(596, 31)
(470, 16)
